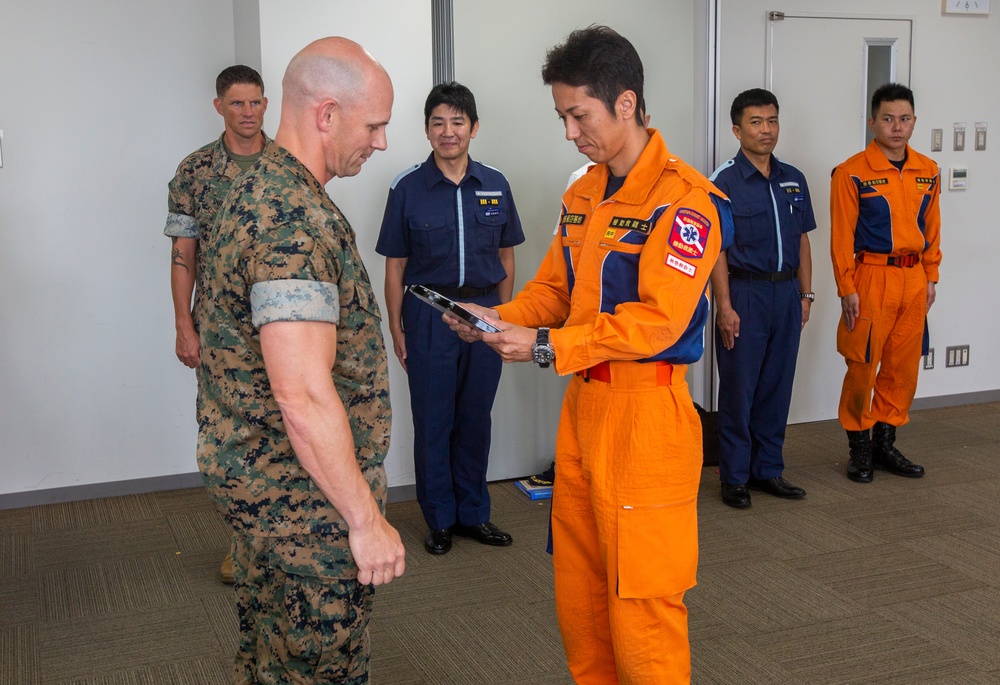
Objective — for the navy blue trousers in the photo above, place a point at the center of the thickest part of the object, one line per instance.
(452, 386)
(755, 379)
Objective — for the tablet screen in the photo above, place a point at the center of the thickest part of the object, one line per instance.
(442, 303)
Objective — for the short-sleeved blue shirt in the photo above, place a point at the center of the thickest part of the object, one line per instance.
(763, 210)
(450, 234)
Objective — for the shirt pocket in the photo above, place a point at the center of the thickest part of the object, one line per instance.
(754, 226)
(430, 237)
(572, 238)
(657, 542)
(489, 226)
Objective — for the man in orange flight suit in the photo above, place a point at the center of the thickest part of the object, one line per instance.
(625, 280)
(885, 244)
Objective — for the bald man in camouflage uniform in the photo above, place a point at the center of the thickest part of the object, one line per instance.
(294, 410)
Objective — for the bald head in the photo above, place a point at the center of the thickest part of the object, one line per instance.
(332, 67)
(334, 93)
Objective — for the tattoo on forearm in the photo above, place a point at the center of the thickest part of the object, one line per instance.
(177, 259)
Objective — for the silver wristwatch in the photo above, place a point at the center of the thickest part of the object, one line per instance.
(542, 352)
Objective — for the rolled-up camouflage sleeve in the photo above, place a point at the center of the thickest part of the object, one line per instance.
(292, 277)
(180, 206)
(180, 226)
(294, 300)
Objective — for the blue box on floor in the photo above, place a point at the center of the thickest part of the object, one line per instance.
(534, 491)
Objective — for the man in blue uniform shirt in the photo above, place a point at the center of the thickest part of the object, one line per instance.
(450, 224)
(762, 287)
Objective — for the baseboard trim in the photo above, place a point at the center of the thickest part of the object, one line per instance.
(73, 493)
(139, 486)
(981, 397)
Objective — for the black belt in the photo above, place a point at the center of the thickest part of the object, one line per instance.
(463, 293)
(773, 276)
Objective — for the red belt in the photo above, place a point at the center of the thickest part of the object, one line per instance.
(902, 261)
(602, 372)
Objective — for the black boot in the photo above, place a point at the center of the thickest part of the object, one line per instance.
(886, 456)
(859, 467)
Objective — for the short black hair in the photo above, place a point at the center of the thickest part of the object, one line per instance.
(238, 73)
(601, 60)
(456, 96)
(755, 97)
(888, 93)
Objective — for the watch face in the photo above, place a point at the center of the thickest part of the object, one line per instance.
(542, 355)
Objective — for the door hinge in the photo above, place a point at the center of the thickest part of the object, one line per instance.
(775, 16)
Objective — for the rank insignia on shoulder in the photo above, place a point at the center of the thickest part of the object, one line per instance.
(575, 219)
(689, 234)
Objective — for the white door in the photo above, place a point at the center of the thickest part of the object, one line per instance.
(822, 69)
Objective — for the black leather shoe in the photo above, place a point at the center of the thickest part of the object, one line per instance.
(779, 487)
(736, 495)
(438, 541)
(486, 533)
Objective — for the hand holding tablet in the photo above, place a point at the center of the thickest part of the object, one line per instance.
(448, 306)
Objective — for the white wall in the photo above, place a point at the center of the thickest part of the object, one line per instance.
(951, 82)
(99, 101)
(95, 119)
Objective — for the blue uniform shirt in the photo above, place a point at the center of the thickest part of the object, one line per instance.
(450, 234)
(770, 214)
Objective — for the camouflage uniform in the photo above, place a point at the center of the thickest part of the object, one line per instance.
(196, 192)
(282, 251)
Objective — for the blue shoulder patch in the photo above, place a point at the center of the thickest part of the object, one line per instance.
(403, 175)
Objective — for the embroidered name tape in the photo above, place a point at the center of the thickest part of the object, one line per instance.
(676, 262)
(630, 223)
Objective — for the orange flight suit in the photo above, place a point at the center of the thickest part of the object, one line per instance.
(880, 215)
(626, 280)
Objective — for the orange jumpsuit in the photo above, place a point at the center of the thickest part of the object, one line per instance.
(880, 215)
(626, 280)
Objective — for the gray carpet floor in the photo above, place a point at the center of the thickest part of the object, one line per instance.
(896, 582)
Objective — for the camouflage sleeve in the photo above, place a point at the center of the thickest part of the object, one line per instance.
(294, 300)
(180, 206)
(293, 275)
(180, 226)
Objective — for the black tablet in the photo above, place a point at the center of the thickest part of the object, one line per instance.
(442, 303)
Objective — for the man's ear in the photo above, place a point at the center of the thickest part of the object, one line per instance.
(326, 112)
(626, 104)
(218, 105)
